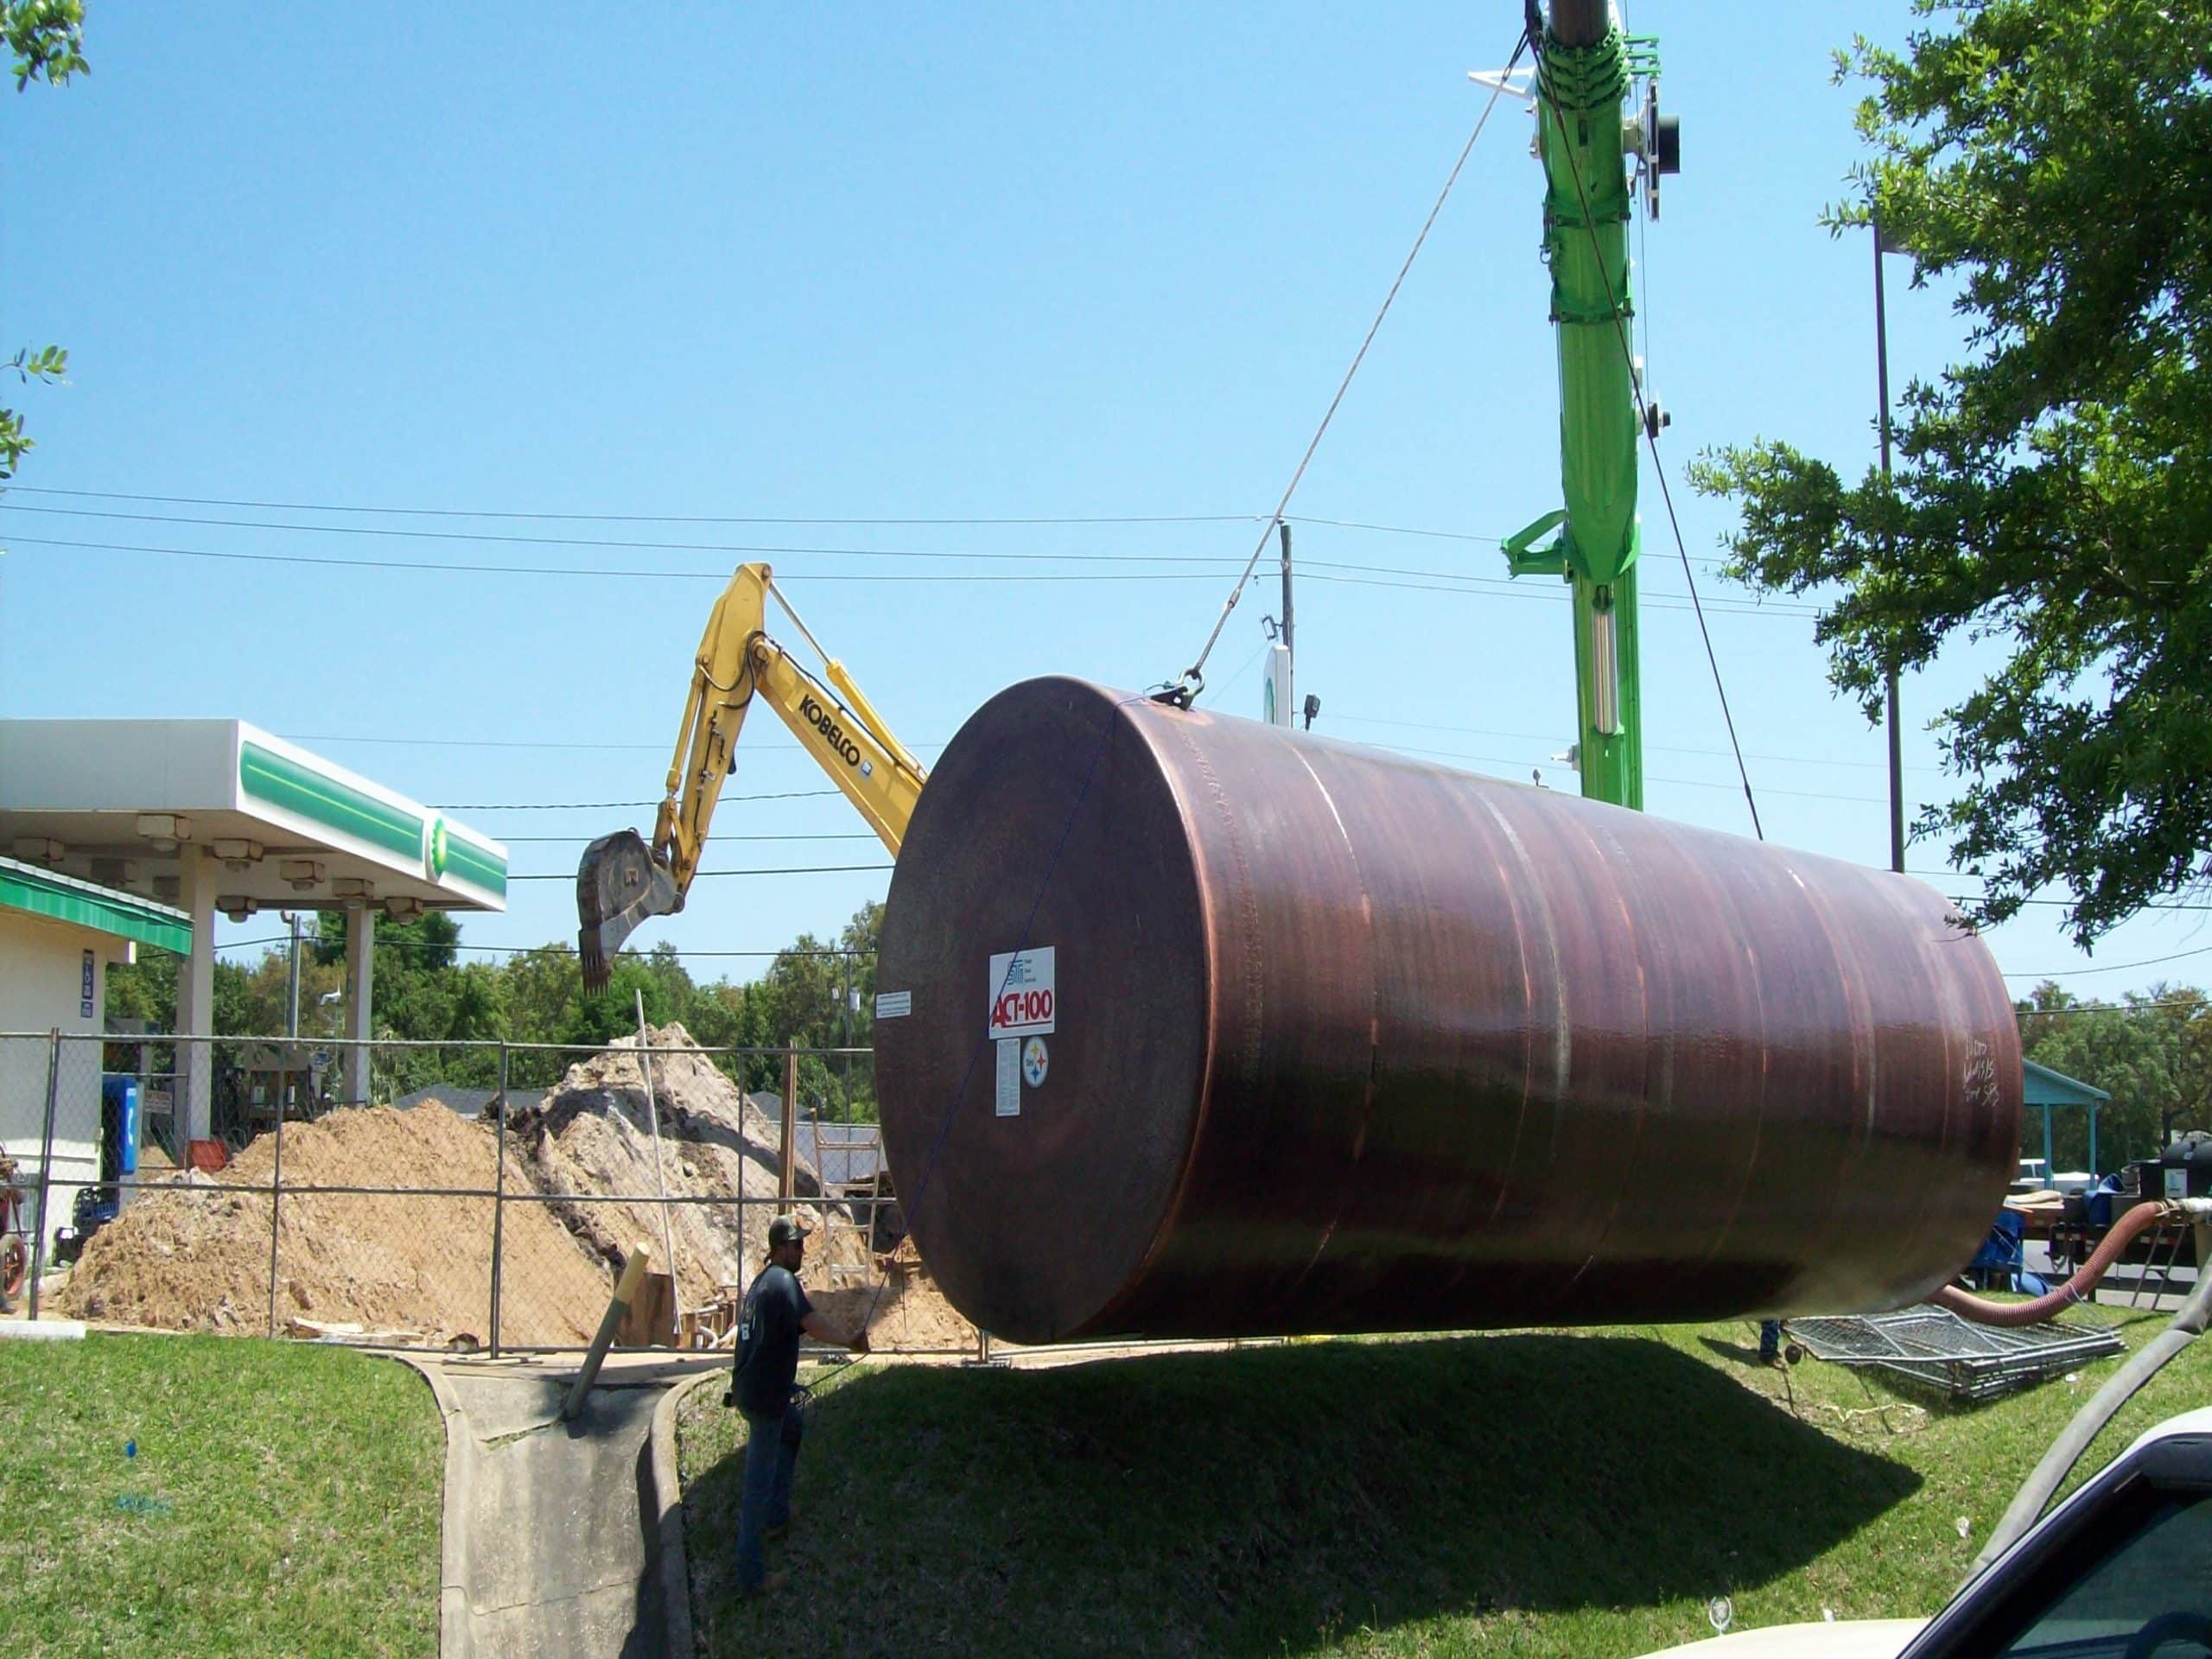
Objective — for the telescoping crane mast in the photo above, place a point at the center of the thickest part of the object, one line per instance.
(1594, 155)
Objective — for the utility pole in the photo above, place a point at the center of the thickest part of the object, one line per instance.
(292, 1015)
(1889, 688)
(1282, 705)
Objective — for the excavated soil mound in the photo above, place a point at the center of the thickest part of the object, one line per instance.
(594, 1136)
(195, 1256)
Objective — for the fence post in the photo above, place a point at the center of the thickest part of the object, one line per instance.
(660, 1173)
(499, 1196)
(787, 1163)
(46, 1163)
(277, 1183)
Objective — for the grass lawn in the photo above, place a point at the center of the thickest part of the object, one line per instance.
(283, 1500)
(1531, 1493)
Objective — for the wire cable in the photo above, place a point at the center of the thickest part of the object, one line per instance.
(1644, 420)
(1186, 690)
(796, 869)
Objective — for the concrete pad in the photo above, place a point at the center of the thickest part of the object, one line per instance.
(554, 1531)
(28, 1330)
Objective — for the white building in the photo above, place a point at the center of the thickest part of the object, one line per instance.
(59, 936)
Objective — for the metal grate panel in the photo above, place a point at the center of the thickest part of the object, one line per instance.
(1934, 1346)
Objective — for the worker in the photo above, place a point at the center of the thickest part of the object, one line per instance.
(776, 1309)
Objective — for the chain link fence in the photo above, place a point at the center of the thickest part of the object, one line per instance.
(447, 1195)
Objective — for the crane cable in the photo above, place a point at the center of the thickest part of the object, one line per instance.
(1531, 36)
(1185, 689)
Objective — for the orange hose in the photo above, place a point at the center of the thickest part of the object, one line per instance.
(2124, 1232)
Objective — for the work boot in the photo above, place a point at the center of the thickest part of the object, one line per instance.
(775, 1581)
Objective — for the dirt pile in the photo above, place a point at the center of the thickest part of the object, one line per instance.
(594, 1136)
(194, 1256)
(193, 1252)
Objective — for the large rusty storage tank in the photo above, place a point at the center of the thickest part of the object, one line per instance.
(1328, 1039)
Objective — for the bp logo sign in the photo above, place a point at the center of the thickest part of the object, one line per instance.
(434, 857)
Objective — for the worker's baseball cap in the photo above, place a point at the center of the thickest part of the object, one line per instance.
(784, 1229)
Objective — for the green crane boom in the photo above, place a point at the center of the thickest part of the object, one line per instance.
(1587, 150)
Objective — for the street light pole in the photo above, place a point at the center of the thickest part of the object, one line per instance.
(1889, 688)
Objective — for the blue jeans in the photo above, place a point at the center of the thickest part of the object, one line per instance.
(1770, 1338)
(771, 1453)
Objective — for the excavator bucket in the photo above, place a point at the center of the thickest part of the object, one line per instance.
(619, 884)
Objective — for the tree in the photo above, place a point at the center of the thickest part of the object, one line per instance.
(2152, 1053)
(46, 37)
(2054, 157)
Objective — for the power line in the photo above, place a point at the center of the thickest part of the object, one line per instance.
(605, 806)
(981, 521)
(578, 841)
(910, 521)
(2113, 967)
(629, 544)
(1471, 586)
(539, 743)
(459, 568)
(631, 518)
(799, 869)
(1664, 748)
(556, 947)
(2110, 1008)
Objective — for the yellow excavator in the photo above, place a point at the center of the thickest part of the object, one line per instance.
(622, 882)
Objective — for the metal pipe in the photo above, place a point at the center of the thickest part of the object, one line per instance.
(787, 1158)
(625, 1288)
(660, 1175)
(46, 1164)
(277, 1189)
(498, 1201)
(1890, 680)
(1338, 1040)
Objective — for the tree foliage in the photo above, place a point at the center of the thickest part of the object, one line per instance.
(2152, 1053)
(815, 995)
(2053, 159)
(46, 37)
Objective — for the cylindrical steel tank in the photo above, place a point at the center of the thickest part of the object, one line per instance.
(1188, 1026)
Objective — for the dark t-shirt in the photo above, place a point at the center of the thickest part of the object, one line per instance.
(767, 1342)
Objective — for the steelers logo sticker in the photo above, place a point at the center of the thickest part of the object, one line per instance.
(1035, 1062)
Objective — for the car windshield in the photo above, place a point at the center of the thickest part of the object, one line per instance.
(2149, 1593)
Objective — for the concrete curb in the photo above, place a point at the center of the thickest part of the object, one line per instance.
(453, 1595)
(667, 1495)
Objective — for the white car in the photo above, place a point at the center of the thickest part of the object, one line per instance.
(2120, 1570)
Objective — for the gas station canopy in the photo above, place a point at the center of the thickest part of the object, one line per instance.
(216, 815)
(170, 809)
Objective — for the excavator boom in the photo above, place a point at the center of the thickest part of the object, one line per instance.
(623, 881)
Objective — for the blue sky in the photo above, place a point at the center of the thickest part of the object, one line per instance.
(955, 262)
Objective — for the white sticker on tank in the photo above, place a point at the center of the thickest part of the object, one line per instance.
(1009, 1077)
(1019, 994)
(894, 1005)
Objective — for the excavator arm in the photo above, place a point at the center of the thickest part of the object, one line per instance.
(622, 882)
